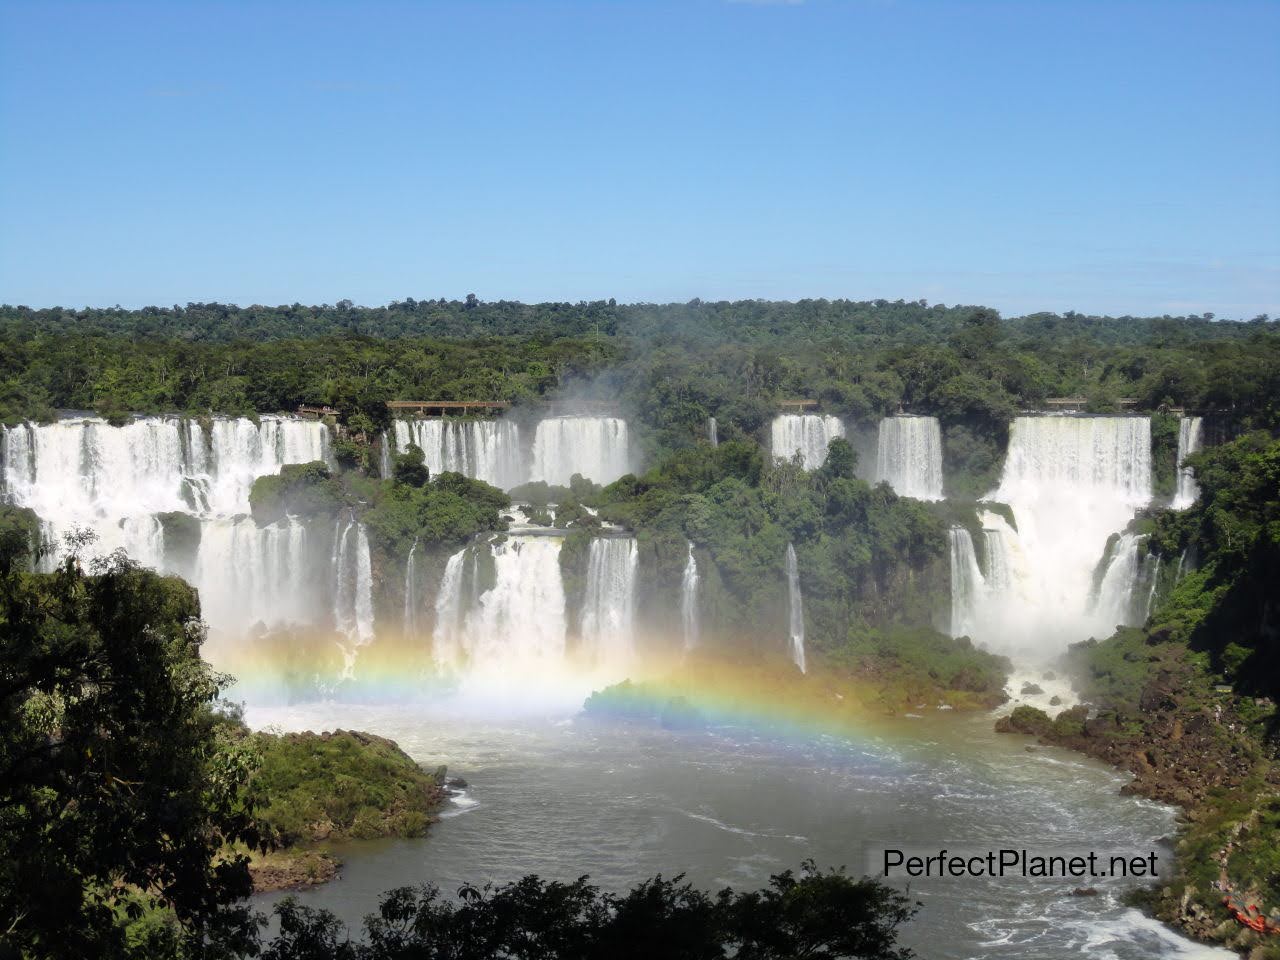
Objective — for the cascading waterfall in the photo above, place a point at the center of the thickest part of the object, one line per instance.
(909, 456)
(352, 589)
(1190, 439)
(120, 482)
(988, 598)
(251, 575)
(1124, 595)
(795, 609)
(487, 450)
(967, 583)
(713, 432)
(1071, 482)
(411, 600)
(807, 434)
(596, 447)
(608, 608)
(689, 600)
(446, 639)
(517, 623)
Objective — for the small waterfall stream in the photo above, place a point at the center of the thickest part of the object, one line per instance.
(689, 600)
(1190, 439)
(795, 609)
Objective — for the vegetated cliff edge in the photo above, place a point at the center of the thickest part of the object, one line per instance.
(1188, 702)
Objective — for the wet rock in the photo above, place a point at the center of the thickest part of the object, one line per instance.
(1085, 892)
(1049, 676)
(1027, 720)
(1055, 701)
(456, 783)
(292, 871)
(1031, 690)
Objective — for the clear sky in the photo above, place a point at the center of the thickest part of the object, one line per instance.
(1119, 157)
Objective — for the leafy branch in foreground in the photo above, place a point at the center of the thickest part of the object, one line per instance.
(820, 915)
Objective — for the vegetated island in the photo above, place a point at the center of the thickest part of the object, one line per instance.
(318, 789)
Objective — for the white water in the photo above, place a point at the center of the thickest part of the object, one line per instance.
(713, 432)
(250, 575)
(689, 600)
(967, 583)
(608, 609)
(1128, 583)
(515, 626)
(1071, 482)
(1190, 439)
(487, 450)
(446, 647)
(596, 447)
(83, 473)
(795, 609)
(352, 590)
(909, 456)
(807, 434)
(411, 599)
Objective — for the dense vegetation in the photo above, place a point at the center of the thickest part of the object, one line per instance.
(822, 915)
(119, 794)
(130, 799)
(1188, 701)
(872, 563)
(669, 366)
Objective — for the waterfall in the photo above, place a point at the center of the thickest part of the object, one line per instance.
(807, 434)
(1123, 597)
(411, 592)
(446, 638)
(487, 450)
(81, 472)
(352, 589)
(967, 583)
(607, 610)
(520, 620)
(249, 575)
(909, 456)
(689, 600)
(713, 432)
(385, 468)
(1071, 483)
(1190, 439)
(596, 447)
(795, 604)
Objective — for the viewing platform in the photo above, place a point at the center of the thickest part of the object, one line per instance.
(441, 407)
(1079, 403)
(790, 405)
(318, 413)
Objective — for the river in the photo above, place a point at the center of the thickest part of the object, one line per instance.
(561, 795)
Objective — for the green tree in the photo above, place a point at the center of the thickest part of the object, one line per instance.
(119, 792)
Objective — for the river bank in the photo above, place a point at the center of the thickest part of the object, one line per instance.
(1198, 745)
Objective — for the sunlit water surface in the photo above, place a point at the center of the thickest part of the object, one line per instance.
(562, 795)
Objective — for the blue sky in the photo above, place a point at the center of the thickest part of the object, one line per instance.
(1117, 157)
